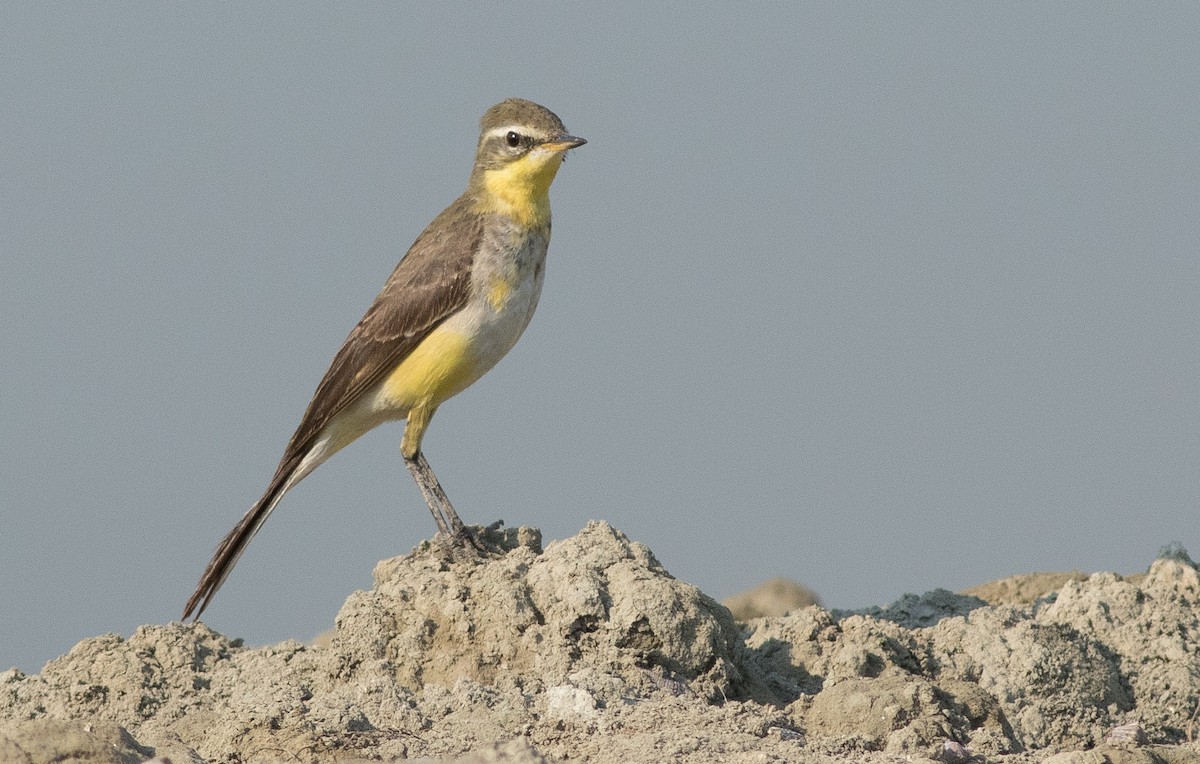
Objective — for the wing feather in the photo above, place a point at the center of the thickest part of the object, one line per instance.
(431, 283)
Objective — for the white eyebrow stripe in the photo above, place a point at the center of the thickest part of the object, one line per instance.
(520, 129)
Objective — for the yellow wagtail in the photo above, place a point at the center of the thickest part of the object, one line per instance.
(455, 304)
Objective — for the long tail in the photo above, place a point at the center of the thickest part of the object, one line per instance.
(290, 471)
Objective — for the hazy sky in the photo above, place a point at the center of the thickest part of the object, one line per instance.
(878, 297)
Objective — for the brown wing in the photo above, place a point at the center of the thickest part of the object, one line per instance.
(431, 283)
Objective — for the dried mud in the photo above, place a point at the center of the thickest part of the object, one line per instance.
(590, 651)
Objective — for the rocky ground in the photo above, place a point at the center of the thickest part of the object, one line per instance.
(590, 651)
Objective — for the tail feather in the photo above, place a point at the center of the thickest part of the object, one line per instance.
(234, 543)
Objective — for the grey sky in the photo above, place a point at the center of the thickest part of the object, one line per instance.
(877, 297)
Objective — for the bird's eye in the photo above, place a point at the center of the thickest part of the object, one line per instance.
(513, 139)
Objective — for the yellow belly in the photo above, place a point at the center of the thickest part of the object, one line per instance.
(439, 368)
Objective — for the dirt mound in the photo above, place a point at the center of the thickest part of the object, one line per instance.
(590, 650)
(777, 596)
(590, 609)
(1024, 589)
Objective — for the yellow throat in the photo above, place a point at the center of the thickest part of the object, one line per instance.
(521, 188)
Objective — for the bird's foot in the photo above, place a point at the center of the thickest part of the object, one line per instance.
(486, 541)
(479, 541)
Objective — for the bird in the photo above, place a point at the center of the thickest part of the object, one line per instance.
(455, 304)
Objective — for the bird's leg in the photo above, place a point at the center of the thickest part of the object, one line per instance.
(447, 519)
(443, 512)
(410, 448)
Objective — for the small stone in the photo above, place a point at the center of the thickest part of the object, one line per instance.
(955, 753)
(1128, 733)
(565, 701)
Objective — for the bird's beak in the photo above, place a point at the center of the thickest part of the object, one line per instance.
(563, 143)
